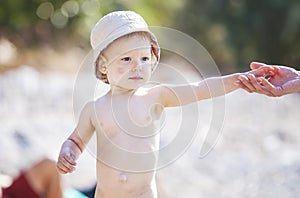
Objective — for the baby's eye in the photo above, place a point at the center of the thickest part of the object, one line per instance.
(126, 59)
(145, 59)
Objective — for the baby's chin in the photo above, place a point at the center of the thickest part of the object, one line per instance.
(127, 87)
(134, 87)
(135, 84)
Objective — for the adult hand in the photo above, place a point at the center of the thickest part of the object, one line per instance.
(284, 80)
(251, 81)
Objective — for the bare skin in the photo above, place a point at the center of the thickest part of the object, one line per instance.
(127, 120)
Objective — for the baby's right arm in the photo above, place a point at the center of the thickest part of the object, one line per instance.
(76, 142)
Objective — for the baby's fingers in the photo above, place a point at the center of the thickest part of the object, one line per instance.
(62, 169)
(241, 85)
(256, 83)
(65, 164)
(246, 83)
(70, 159)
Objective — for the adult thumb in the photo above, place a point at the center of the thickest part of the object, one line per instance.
(256, 65)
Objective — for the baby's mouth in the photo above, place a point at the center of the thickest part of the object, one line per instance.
(136, 78)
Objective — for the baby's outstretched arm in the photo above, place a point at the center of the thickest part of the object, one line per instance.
(76, 142)
(178, 95)
(218, 86)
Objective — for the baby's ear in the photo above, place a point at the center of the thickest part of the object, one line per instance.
(101, 64)
(103, 69)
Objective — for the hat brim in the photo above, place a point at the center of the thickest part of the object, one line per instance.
(114, 37)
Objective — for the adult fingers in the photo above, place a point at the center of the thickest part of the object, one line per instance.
(257, 84)
(263, 71)
(275, 91)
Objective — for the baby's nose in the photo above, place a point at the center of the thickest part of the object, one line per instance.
(137, 66)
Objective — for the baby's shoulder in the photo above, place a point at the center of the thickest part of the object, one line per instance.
(88, 106)
(92, 108)
(100, 100)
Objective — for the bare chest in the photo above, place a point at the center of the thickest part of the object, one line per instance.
(130, 124)
(131, 117)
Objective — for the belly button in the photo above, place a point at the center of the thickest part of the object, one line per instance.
(123, 177)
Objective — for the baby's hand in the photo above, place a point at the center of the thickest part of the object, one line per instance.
(67, 157)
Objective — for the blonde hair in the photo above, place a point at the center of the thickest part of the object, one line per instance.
(102, 76)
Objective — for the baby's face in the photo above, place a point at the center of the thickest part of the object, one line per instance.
(129, 62)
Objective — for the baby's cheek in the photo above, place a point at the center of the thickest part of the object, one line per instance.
(122, 70)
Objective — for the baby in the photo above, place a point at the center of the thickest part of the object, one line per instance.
(127, 118)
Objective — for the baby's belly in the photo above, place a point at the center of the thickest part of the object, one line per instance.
(115, 183)
(129, 154)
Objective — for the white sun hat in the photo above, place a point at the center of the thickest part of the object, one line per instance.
(117, 24)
